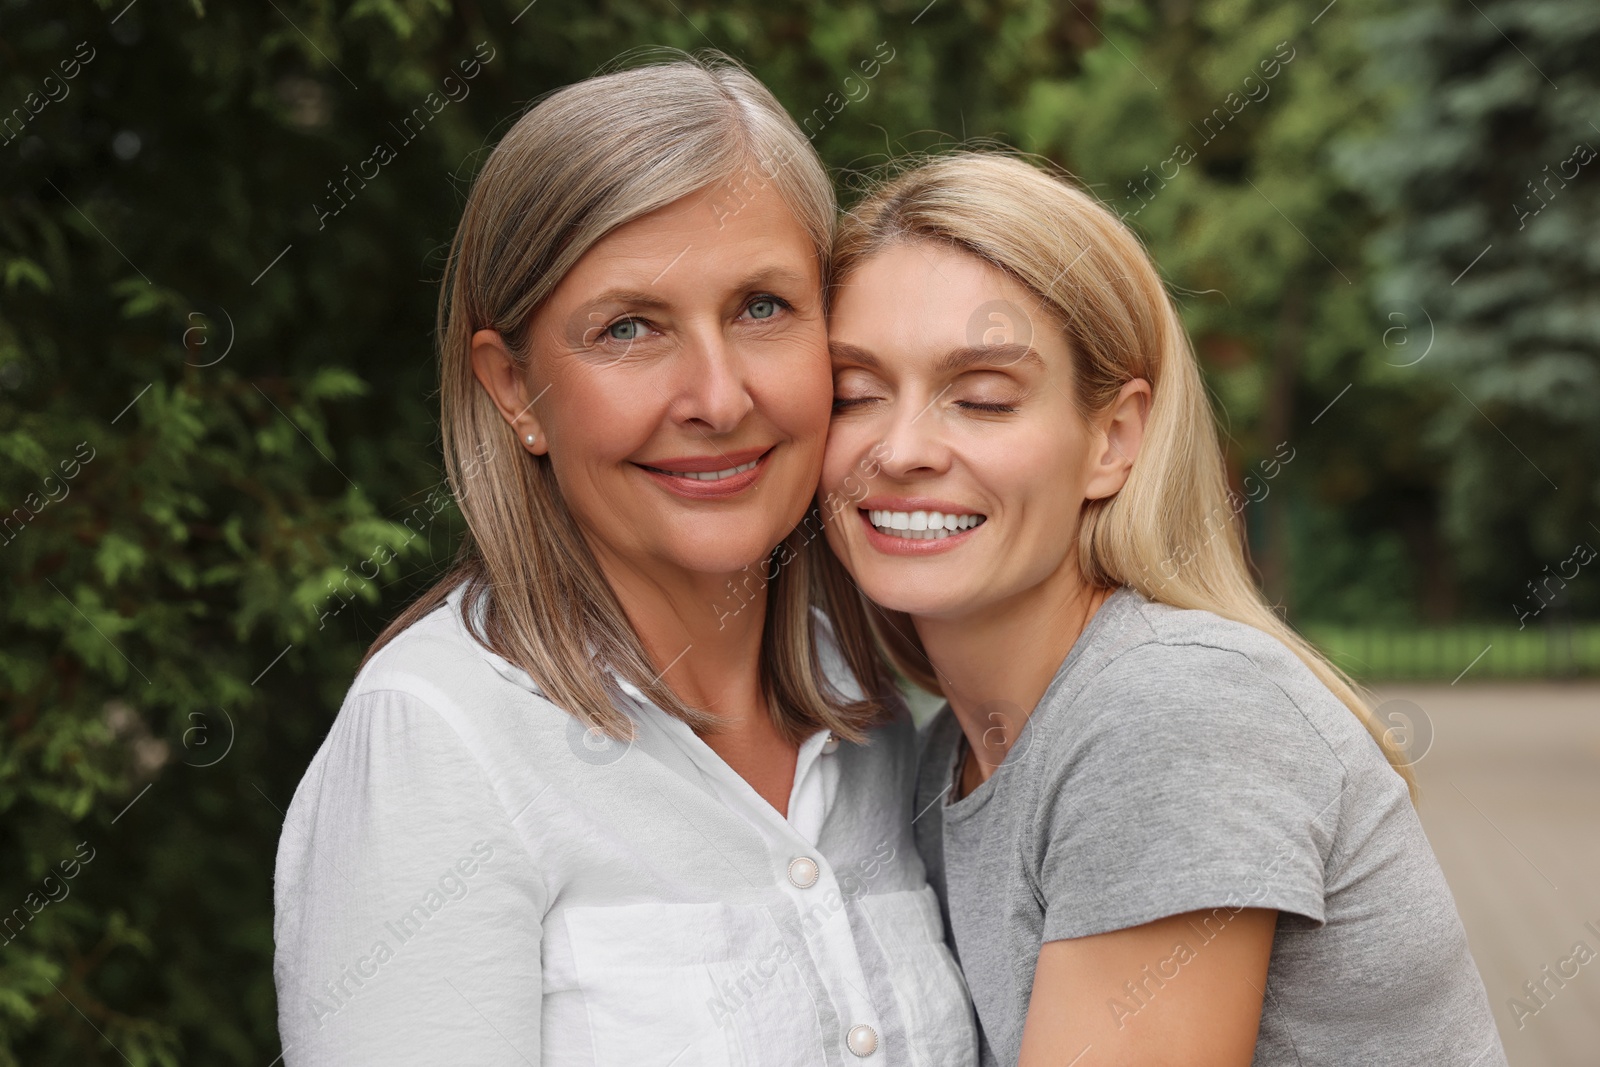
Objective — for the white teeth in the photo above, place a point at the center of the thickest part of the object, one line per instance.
(921, 525)
(708, 476)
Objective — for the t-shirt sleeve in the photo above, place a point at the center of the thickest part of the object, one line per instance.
(1185, 780)
(407, 912)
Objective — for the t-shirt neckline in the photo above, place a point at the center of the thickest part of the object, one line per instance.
(964, 807)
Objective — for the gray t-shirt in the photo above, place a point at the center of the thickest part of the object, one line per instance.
(1180, 762)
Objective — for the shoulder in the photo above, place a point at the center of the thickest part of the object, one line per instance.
(1198, 668)
(440, 662)
(1141, 635)
(434, 706)
(1183, 752)
(405, 706)
(1170, 686)
(386, 742)
(440, 648)
(424, 740)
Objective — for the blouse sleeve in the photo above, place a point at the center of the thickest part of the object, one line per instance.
(1189, 781)
(407, 911)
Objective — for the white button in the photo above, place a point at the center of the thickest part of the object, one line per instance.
(830, 746)
(803, 872)
(862, 1040)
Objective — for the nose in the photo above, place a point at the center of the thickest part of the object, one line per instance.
(713, 394)
(914, 442)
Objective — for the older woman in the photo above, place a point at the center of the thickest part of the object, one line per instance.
(629, 784)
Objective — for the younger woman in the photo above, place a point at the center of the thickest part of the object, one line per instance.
(1163, 829)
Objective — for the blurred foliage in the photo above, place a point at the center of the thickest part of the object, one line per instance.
(1487, 178)
(216, 420)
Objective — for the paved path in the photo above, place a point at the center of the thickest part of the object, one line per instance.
(1511, 803)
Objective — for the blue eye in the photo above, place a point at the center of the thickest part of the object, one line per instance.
(625, 330)
(764, 308)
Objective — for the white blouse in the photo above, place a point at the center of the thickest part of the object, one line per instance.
(467, 875)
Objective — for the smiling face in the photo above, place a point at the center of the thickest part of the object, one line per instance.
(953, 370)
(678, 380)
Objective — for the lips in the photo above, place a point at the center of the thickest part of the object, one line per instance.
(917, 526)
(705, 476)
(718, 476)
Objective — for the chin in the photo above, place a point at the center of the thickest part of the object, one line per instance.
(724, 554)
(920, 596)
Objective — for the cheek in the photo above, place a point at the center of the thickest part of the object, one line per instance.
(1039, 477)
(598, 419)
(833, 533)
(847, 458)
(794, 388)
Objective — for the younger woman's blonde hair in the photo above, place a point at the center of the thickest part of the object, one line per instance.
(584, 161)
(1171, 532)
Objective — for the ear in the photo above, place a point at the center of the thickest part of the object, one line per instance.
(1120, 433)
(510, 387)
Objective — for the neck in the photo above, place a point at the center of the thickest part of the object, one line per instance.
(706, 641)
(995, 664)
(703, 638)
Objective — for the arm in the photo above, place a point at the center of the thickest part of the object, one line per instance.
(1190, 806)
(408, 914)
(1184, 990)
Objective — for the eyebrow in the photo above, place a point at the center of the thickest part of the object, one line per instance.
(845, 353)
(989, 355)
(957, 359)
(651, 299)
(772, 276)
(630, 297)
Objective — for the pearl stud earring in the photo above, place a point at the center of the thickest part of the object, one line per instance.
(530, 438)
